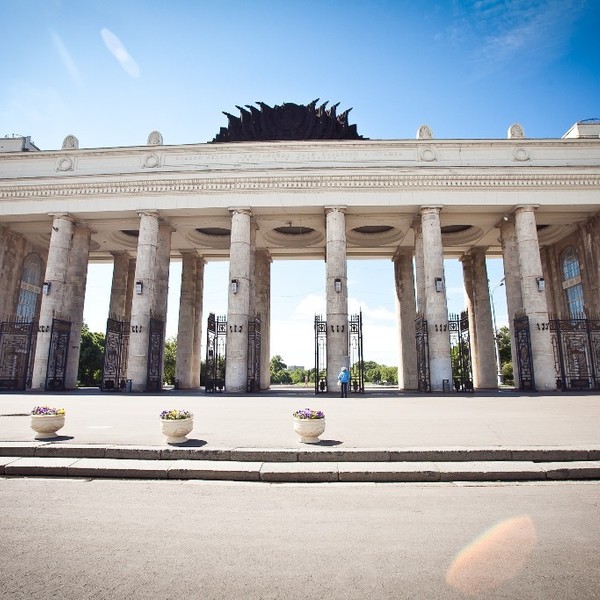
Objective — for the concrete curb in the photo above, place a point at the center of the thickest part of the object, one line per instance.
(302, 455)
(298, 472)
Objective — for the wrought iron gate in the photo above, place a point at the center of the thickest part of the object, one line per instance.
(576, 344)
(57, 355)
(357, 363)
(460, 352)
(116, 350)
(216, 336)
(254, 343)
(155, 355)
(524, 358)
(17, 349)
(320, 354)
(422, 341)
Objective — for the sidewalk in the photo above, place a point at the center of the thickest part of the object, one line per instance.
(416, 437)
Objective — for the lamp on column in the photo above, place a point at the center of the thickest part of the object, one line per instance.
(337, 285)
(541, 284)
(139, 287)
(439, 286)
(234, 286)
(46, 287)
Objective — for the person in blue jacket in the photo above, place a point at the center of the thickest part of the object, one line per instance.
(344, 378)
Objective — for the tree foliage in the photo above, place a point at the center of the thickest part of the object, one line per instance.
(91, 357)
(170, 359)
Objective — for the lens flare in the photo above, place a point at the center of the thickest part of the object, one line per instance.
(493, 558)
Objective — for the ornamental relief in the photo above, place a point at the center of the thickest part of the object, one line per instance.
(390, 183)
(64, 164)
(151, 161)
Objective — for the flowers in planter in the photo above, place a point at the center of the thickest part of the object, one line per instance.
(308, 413)
(48, 411)
(175, 414)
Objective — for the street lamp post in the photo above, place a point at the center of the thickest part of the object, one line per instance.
(496, 347)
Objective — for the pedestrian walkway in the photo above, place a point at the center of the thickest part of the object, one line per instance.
(382, 435)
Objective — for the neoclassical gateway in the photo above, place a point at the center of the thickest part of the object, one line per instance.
(294, 181)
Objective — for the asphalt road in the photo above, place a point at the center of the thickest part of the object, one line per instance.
(107, 539)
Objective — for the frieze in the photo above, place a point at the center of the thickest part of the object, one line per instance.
(302, 183)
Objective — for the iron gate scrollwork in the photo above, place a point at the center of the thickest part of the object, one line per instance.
(254, 342)
(17, 349)
(524, 357)
(216, 336)
(460, 352)
(320, 355)
(116, 349)
(576, 344)
(155, 355)
(357, 363)
(422, 341)
(58, 352)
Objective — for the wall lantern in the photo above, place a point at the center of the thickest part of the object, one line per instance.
(337, 285)
(438, 284)
(46, 287)
(234, 286)
(541, 284)
(139, 287)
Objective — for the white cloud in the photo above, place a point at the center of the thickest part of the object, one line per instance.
(65, 56)
(118, 50)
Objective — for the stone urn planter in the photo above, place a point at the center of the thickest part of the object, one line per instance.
(309, 425)
(176, 425)
(46, 421)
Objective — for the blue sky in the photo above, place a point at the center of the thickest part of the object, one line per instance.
(110, 72)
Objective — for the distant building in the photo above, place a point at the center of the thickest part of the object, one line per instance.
(17, 144)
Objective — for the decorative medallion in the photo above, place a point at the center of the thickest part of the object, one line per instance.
(64, 164)
(287, 122)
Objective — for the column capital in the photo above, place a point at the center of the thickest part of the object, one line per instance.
(431, 208)
(402, 252)
(506, 219)
(63, 215)
(526, 208)
(148, 213)
(332, 209)
(192, 252)
(473, 250)
(240, 210)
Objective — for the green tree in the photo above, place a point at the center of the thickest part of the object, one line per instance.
(504, 351)
(278, 370)
(170, 359)
(91, 357)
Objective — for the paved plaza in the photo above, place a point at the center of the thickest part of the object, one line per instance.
(382, 435)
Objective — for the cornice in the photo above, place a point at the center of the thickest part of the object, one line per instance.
(301, 183)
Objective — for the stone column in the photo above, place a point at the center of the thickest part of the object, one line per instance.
(75, 298)
(118, 291)
(487, 371)
(130, 286)
(144, 299)
(512, 283)
(406, 311)
(436, 306)
(262, 304)
(336, 294)
(163, 263)
(467, 264)
(198, 304)
(534, 298)
(53, 303)
(239, 297)
(186, 329)
(419, 266)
